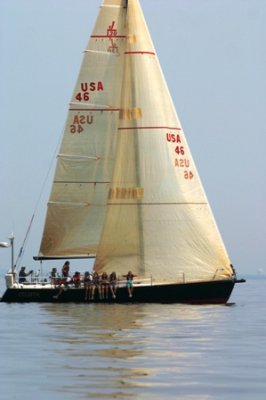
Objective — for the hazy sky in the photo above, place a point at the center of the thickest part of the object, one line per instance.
(213, 54)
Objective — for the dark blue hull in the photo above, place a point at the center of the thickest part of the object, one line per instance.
(213, 292)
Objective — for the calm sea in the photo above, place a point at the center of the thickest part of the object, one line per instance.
(61, 352)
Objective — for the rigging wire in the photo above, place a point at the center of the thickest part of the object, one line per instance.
(22, 248)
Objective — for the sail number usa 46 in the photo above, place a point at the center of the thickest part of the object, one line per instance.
(86, 88)
(181, 160)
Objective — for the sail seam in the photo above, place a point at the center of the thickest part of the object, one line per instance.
(111, 6)
(69, 203)
(78, 182)
(76, 157)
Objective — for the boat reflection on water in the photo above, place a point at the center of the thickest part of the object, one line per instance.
(110, 351)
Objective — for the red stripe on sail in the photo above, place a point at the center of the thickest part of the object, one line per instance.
(94, 109)
(156, 204)
(149, 127)
(140, 52)
(108, 37)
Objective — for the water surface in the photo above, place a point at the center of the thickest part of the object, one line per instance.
(150, 351)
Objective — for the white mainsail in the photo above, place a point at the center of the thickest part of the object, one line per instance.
(126, 186)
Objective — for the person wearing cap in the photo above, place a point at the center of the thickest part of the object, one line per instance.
(22, 275)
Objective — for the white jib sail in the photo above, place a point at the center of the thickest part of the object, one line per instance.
(85, 161)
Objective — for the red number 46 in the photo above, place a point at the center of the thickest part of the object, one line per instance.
(83, 96)
(180, 150)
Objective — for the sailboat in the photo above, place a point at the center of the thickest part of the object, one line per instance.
(126, 190)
